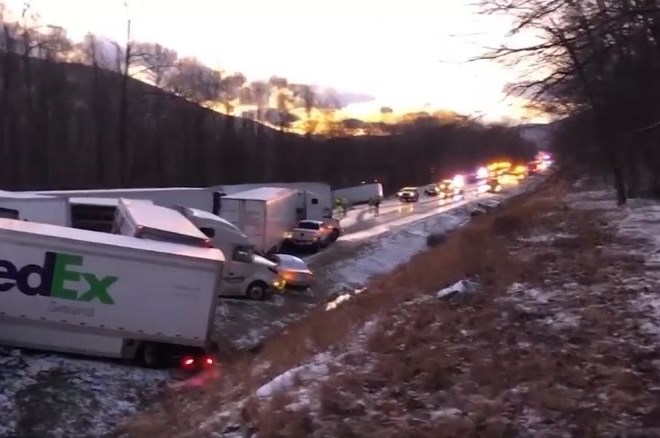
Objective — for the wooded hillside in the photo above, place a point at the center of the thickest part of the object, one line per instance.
(72, 118)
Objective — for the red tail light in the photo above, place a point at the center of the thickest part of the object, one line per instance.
(187, 362)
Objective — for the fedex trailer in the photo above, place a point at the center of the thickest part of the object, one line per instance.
(106, 295)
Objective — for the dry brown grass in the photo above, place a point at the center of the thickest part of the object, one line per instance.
(486, 248)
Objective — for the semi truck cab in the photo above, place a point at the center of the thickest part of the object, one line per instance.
(242, 276)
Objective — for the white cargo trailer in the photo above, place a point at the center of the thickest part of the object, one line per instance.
(360, 194)
(34, 208)
(322, 191)
(105, 295)
(193, 197)
(266, 215)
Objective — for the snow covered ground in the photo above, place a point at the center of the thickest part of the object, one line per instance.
(57, 396)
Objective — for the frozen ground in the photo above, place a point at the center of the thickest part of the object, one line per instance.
(56, 396)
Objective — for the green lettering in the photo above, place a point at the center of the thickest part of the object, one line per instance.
(61, 274)
(98, 288)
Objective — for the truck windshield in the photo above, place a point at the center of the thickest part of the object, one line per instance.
(309, 225)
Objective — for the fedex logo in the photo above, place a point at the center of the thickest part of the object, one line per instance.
(49, 279)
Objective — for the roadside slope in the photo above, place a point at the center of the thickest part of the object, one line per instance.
(556, 334)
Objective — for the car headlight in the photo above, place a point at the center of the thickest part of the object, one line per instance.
(288, 235)
(279, 284)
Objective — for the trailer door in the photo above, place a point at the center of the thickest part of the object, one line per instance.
(255, 223)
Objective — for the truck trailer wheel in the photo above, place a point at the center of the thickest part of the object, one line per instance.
(257, 291)
(151, 355)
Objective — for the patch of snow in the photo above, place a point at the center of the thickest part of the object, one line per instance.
(458, 288)
(530, 294)
(592, 200)
(314, 370)
(394, 249)
(547, 238)
(563, 320)
(69, 387)
(332, 305)
(447, 412)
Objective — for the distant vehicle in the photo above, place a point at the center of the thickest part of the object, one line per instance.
(432, 190)
(312, 234)
(294, 271)
(408, 194)
(494, 185)
(451, 187)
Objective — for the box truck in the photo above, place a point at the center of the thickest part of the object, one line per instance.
(265, 215)
(34, 208)
(106, 295)
(241, 275)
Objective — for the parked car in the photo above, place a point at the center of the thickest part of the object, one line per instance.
(293, 270)
(408, 194)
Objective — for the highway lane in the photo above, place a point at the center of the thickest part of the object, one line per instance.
(392, 210)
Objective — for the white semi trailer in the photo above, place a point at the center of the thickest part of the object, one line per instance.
(34, 208)
(266, 215)
(106, 295)
(360, 194)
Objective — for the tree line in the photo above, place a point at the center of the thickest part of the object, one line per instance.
(601, 60)
(75, 115)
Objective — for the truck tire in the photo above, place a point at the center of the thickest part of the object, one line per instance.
(257, 290)
(151, 355)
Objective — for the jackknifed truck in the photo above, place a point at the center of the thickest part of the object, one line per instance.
(107, 295)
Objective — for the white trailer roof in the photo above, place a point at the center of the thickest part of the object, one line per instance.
(154, 216)
(116, 240)
(110, 191)
(261, 194)
(24, 196)
(201, 214)
(103, 202)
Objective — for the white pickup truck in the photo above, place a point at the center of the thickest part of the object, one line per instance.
(313, 234)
